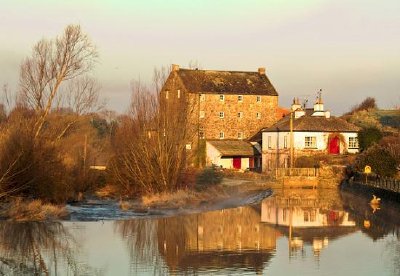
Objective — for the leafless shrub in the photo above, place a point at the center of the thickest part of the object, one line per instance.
(150, 144)
(53, 62)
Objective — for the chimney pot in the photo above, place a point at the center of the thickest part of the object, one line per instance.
(261, 70)
(175, 67)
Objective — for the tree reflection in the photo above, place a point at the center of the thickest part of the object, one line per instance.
(141, 241)
(34, 248)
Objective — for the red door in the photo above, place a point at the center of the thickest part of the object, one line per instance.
(237, 163)
(334, 145)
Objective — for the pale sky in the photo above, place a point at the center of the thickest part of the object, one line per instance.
(349, 48)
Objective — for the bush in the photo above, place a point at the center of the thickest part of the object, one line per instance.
(208, 177)
(369, 136)
(380, 160)
(307, 162)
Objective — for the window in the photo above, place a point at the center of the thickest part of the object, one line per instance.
(201, 133)
(202, 97)
(202, 114)
(240, 135)
(310, 142)
(285, 142)
(269, 142)
(221, 114)
(306, 216)
(179, 93)
(258, 99)
(240, 98)
(240, 114)
(221, 135)
(353, 142)
(166, 94)
(222, 98)
(258, 115)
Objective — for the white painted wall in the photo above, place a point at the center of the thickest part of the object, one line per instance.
(299, 140)
(214, 158)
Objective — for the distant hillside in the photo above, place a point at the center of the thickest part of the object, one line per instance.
(389, 117)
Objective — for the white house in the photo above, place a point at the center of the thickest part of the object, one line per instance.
(233, 154)
(314, 131)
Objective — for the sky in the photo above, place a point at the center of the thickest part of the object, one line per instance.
(349, 48)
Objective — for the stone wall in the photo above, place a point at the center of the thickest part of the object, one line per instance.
(247, 124)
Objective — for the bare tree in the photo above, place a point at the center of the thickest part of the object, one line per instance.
(150, 144)
(53, 62)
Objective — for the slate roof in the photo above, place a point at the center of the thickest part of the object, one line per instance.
(234, 147)
(226, 82)
(313, 124)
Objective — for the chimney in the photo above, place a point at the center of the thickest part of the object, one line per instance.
(175, 67)
(261, 70)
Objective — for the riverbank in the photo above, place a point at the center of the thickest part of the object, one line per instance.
(106, 203)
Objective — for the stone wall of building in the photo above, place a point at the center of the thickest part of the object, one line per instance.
(235, 118)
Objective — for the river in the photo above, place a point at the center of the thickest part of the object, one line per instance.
(292, 232)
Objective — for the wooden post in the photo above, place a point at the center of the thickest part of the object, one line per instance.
(291, 141)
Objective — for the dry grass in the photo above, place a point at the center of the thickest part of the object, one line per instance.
(32, 210)
(185, 197)
(108, 191)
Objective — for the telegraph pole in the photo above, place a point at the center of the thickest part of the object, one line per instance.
(291, 141)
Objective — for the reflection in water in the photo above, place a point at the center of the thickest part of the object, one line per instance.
(34, 248)
(305, 232)
(307, 216)
(232, 238)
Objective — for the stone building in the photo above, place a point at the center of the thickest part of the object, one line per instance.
(231, 105)
(227, 104)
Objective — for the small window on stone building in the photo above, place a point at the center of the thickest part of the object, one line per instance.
(222, 98)
(179, 93)
(221, 114)
(202, 97)
(258, 99)
(240, 114)
(221, 135)
(202, 114)
(240, 98)
(201, 132)
(240, 135)
(258, 115)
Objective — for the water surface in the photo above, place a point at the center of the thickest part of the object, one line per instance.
(300, 232)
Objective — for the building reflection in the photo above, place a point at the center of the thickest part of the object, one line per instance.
(307, 217)
(230, 238)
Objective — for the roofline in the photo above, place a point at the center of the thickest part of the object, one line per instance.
(345, 131)
(211, 70)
